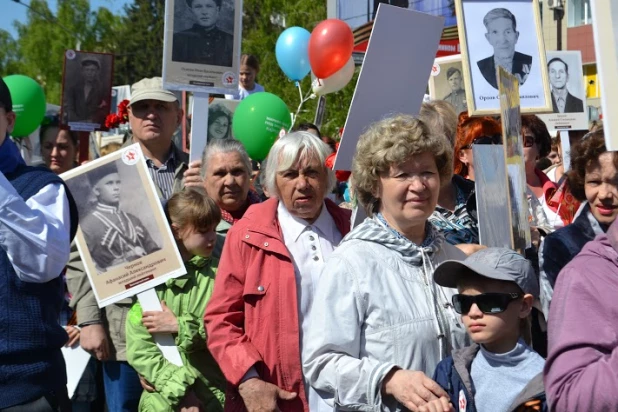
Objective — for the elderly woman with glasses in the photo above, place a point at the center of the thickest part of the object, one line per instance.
(380, 324)
(473, 130)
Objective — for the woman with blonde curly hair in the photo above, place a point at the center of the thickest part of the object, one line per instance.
(383, 323)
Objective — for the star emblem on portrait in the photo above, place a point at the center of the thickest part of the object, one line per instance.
(130, 156)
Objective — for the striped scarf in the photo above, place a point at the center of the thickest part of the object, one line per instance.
(376, 229)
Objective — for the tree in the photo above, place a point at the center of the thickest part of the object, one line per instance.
(140, 49)
(9, 54)
(260, 33)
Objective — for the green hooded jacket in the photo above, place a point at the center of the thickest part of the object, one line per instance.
(187, 297)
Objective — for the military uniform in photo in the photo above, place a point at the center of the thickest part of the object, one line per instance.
(197, 45)
(86, 100)
(113, 236)
(458, 99)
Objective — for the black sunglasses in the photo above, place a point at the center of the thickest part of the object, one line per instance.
(495, 139)
(486, 302)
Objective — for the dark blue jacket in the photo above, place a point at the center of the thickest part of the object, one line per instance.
(561, 246)
(31, 362)
(453, 375)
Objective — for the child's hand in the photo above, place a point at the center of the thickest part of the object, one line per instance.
(437, 405)
(160, 322)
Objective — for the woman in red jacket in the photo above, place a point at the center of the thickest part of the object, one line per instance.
(266, 277)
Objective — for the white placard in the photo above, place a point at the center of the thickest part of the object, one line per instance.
(393, 78)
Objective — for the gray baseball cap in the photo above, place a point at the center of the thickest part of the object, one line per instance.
(493, 263)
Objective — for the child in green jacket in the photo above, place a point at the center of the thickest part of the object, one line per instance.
(199, 382)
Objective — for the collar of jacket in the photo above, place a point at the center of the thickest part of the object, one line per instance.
(462, 361)
(264, 232)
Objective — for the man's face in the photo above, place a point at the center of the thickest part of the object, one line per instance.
(153, 120)
(455, 81)
(206, 12)
(502, 36)
(107, 189)
(558, 75)
(90, 72)
(7, 122)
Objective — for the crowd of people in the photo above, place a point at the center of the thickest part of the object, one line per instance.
(287, 307)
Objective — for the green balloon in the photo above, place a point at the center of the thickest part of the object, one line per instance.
(257, 122)
(28, 104)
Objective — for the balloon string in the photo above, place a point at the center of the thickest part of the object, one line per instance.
(303, 99)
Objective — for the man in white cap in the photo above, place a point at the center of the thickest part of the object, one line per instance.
(154, 116)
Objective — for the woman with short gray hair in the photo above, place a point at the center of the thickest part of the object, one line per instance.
(296, 147)
(226, 168)
(380, 322)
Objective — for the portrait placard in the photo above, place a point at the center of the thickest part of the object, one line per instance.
(201, 49)
(86, 90)
(123, 239)
(507, 34)
(605, 30)
(568, 92)
(447, 83)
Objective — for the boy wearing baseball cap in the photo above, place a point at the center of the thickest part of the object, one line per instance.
(500, 373)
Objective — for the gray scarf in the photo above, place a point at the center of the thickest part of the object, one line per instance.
(376, 229)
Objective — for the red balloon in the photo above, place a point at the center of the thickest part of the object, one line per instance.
(330, 47)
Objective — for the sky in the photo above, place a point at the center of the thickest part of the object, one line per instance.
(12, 11)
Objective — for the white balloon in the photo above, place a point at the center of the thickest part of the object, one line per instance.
(335, 82)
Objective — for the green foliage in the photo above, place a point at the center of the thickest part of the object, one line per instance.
(140, 48)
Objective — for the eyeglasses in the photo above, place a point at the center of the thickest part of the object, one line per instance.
(528, 141)
(495, 139)
(486, 302)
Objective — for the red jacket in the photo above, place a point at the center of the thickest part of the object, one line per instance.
(252, 316)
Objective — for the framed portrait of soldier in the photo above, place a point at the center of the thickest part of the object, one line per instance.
(86, 90)
(447, 82)
(201, 50)
(123, 239)
(568, 91)
(506, 34)
(605, 31)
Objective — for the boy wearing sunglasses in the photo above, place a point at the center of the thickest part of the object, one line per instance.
(500, 373)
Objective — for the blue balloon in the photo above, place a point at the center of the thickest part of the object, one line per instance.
(292, 53)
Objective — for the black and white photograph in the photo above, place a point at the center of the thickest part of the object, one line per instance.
(202, 45)
(204, 32)
(109, 220)
(86, 90)
(123, 238)
(447, 82)
(568, 96)
(220, 115)
(504, 34)
(605, 31)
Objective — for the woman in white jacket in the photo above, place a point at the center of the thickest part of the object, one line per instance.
(380, 324)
